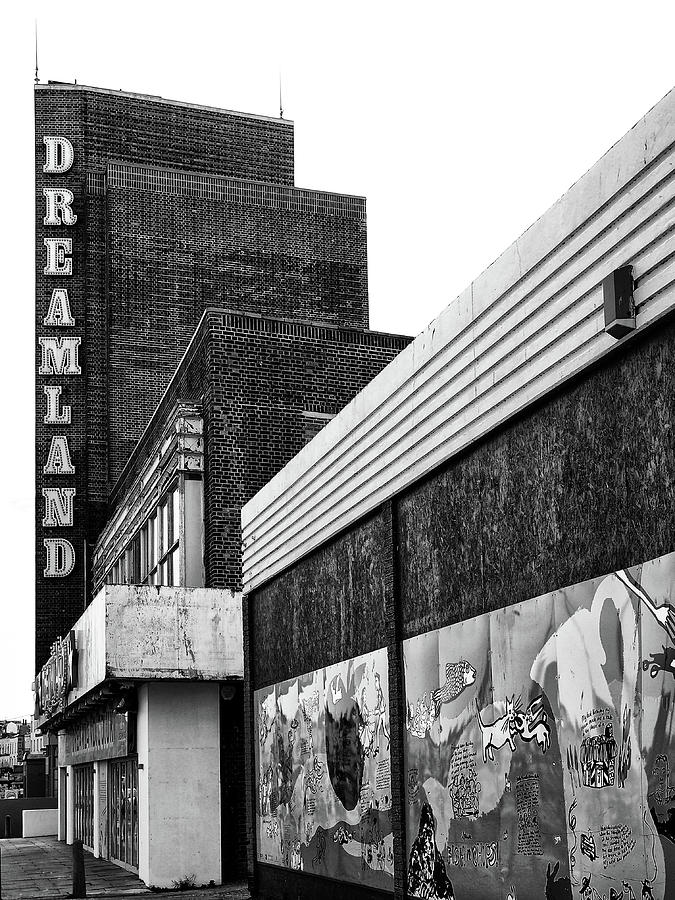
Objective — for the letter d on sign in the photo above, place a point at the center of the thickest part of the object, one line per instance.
(60, 155)
(60, 558)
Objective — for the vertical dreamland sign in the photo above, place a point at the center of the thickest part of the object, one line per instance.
(58, 354)
(56, 678)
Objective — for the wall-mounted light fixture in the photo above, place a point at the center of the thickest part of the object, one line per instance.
(617, 293)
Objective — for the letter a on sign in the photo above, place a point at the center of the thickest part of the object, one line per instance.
(59, 309)
(58, 459)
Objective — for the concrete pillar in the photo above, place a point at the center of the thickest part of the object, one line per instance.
(97, 810)
(62, 788)
(70, 805)
(143, 817)
(179, 784)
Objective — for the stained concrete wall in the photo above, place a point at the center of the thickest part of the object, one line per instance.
(131, 631)
(40, 822)
(179, 783)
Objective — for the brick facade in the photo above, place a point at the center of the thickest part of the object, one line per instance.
(178, 208)
(265, 386)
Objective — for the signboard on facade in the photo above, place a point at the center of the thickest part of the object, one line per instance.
(104, 734)
(57, 677)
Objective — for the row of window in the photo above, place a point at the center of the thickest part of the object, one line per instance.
(153, 554)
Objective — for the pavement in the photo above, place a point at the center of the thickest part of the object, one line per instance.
(41, 867)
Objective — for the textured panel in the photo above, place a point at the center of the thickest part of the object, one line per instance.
(532, 321)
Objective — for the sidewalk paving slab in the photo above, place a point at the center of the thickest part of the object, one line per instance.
(41, 867)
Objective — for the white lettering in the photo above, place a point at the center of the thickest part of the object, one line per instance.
(58, 458)
(59, 206)
(57, 261)
(59, 309)
(60, 155)
(58, 506)
(54, 415)
(59, 356)
(60, 557)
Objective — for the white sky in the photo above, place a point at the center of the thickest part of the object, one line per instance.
(460, 123)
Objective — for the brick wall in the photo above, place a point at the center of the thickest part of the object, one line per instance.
(172, 255)
(257, 378)
(215, 220)
(115, 125)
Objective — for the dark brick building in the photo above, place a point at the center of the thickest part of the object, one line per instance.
(173, 208)
(199, 320)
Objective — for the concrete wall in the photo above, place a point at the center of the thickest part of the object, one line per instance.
(150, 632)
(179, 784)
(15, 808)
(173, 633)
(40, 822)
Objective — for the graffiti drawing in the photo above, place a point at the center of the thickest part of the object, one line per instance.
(598, 759)
(533, 724)
(660, 662)
(664, 614)
(324, 774)
(381, 714)
(458, 676)
(624, 758)
(557, 888)
(313, 777)
(587, 846)
(575, 784)
(342, 835)
(464, 791)
(573, 767)
(500, 732)
(427, 877)
(664, 792)
(420, 717)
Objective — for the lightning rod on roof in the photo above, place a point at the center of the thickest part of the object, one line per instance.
(281, 108)
(37, 77)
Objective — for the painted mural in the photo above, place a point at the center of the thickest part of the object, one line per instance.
(539, 746)
(324, 774)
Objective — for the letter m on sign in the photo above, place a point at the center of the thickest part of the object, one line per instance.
(59, 356)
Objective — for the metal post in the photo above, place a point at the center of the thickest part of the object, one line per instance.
(79, 883)
(0, 873)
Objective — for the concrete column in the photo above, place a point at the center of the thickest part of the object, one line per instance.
(62, 788)
(70, 805)
(181, 779)
(143, 814)
(97, 803)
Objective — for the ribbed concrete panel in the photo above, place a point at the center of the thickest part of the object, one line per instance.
(530, 322)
